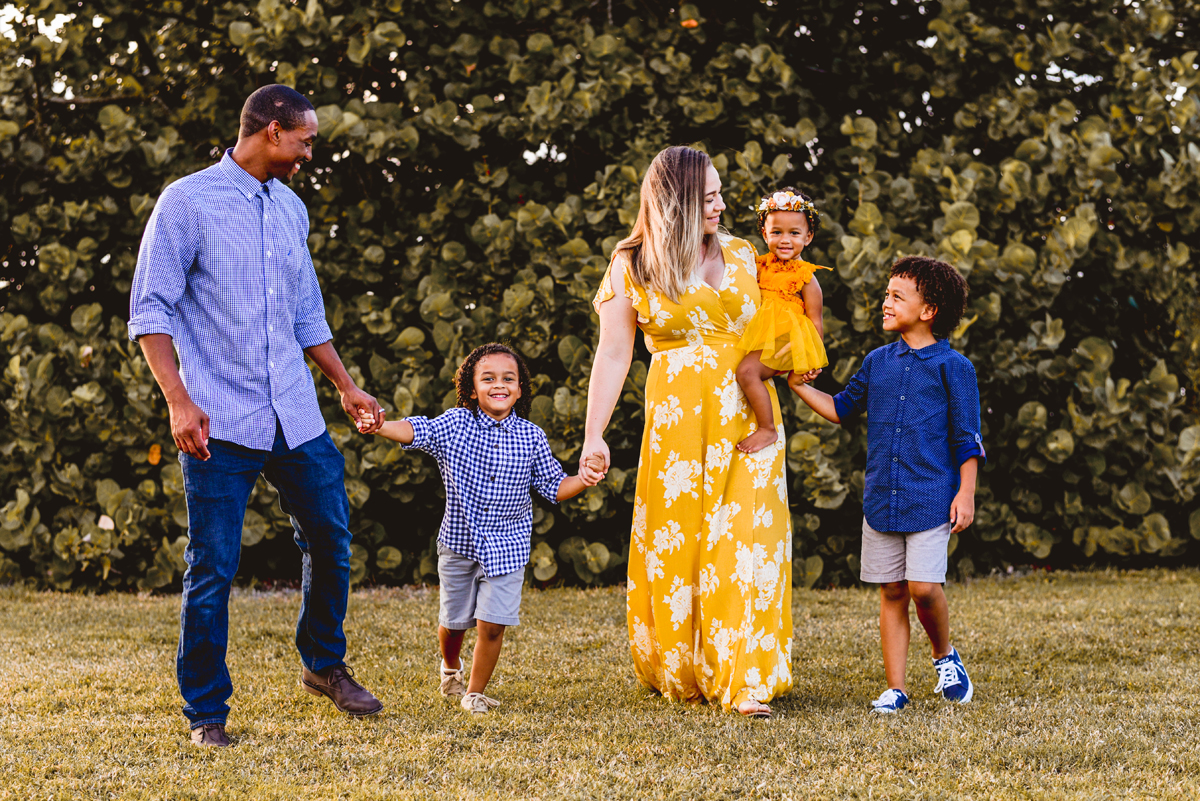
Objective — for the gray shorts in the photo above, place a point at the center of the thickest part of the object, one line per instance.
(467, 594)
(889, 556)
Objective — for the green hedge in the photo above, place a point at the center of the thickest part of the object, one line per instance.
(477, 163)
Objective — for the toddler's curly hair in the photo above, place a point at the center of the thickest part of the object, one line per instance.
(813, 217)
(464, 379)
(940, 286)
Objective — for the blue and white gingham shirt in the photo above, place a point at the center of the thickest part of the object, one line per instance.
(922, 410)
(488, 467)
(224, 269)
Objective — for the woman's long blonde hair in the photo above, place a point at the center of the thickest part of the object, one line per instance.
(668, 239)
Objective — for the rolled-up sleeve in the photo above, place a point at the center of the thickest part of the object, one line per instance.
(311, 327)
(429, 435)
(962, 390)
(548, 474)
(852, 401)
(168, 250)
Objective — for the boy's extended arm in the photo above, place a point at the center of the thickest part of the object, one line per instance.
(962, 508)
(570, 487)
(397, 430)
(820, 402)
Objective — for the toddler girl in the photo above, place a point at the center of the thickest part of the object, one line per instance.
(785, 334)
(490, 456)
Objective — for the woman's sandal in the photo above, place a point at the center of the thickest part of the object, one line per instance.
(754, 709)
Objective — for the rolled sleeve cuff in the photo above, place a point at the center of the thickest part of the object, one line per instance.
(556, 485)
(971, 450)
(421, 431)
(844, 408)
(150, 324)
(313, 334)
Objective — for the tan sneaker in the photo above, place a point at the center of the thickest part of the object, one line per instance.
(453, 683)
(478, 703)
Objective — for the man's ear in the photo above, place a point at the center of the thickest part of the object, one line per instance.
(274, 131)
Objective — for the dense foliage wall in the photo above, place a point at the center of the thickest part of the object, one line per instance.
(477, 162)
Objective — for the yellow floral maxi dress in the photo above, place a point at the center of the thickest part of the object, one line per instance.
(709, 593)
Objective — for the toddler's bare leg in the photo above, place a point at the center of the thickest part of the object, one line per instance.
(451, 641)
(751, 374)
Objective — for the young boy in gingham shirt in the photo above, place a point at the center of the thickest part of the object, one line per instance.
(489, 455)
(923, 452)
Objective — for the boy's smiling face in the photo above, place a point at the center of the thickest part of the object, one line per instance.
(786, 233)
(904, 310)
(497, 385)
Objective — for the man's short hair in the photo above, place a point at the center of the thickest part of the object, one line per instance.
(940, 286)
(275, 102)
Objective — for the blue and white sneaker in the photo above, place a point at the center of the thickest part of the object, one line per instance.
(891, 701)
(953, 682)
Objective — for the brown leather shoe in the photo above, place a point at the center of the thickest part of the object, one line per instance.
(212, 734)
(338, 685)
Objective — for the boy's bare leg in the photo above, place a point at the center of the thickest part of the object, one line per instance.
(490, 636)
(934, 614)
(894, 631)
(451, 641)
(751, 374)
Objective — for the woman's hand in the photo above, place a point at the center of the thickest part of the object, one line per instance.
(594, 460)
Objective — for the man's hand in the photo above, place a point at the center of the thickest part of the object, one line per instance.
(962, 511)
(364, 410)
(189, 428)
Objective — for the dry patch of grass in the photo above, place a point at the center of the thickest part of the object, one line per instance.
(1086, 687)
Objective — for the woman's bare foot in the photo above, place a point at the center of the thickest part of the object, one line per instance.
(758, 440)
(754, 709)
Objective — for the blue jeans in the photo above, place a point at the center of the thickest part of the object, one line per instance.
(311, 485)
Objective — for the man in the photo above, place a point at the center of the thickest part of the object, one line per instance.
(224, 277)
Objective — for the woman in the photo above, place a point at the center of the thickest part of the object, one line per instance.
(709, 593)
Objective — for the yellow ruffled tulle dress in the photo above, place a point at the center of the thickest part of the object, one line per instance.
(780, 328)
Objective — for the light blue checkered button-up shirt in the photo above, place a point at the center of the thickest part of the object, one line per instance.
(224, 269)
(488, 467)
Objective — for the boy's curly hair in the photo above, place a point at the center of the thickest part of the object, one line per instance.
(464, 379)
(940, 286)
(813, 217)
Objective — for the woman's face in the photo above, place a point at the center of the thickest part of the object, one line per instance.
(713, 205)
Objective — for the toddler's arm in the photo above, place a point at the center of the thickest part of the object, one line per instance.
(590, 474)
(820, 402)
(397, 430)
(814, 303)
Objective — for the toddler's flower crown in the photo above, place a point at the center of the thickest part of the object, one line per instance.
(788, 200)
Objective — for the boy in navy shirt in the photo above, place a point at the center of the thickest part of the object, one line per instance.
(923, 452)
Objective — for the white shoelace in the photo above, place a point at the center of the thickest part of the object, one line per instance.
(888, 698)
(478, 702)
(947, 676)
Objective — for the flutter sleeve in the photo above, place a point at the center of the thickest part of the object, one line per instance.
(636, 295)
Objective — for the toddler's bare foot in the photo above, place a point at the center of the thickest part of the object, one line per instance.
(758, 440)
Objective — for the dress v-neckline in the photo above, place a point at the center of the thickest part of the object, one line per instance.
(724, 271)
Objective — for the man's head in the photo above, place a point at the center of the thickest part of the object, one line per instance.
(281, 125)
(924, 291)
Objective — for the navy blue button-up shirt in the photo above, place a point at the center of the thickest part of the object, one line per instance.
(922, 410)
(224, 269)
(488, 467)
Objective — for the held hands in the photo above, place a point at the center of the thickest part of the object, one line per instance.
(962, 511)
(593, 462)
(797, 380)
(364, 410)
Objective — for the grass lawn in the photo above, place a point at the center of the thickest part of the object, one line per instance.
(1086, 686)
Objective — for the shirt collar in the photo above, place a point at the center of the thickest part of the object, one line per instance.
(926, 352)
(485, 422)
(243, 181)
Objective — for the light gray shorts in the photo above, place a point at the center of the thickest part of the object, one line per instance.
(467, 594)
(896, 556)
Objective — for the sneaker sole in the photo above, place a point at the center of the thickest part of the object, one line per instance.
(311, 690)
